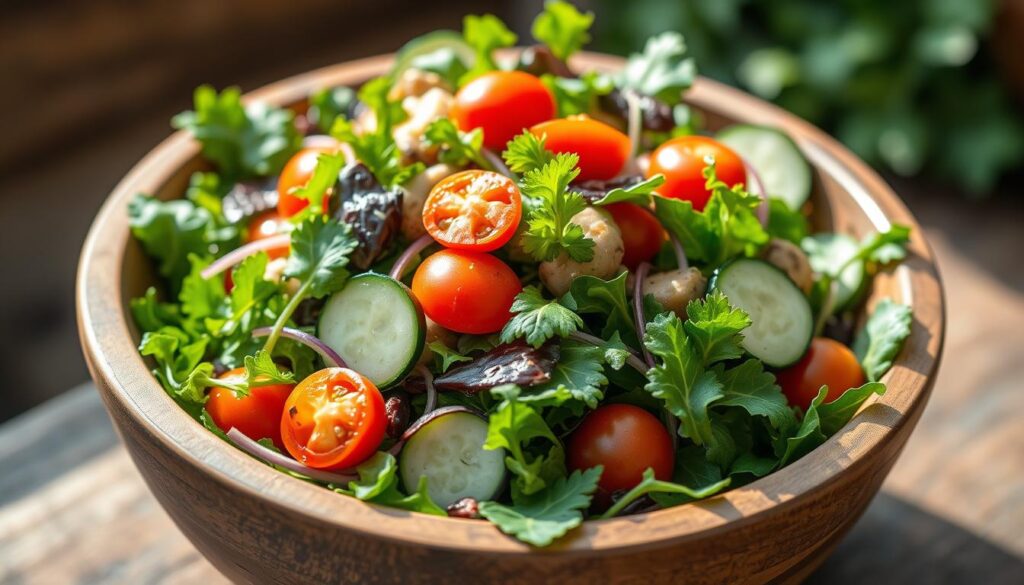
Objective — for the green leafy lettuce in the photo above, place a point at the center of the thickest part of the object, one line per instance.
(563, 28)
(882, 337)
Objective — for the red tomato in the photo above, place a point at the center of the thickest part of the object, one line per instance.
(681, 160)
(334, 419)
(266, 224)
(642, 234)
(257, 416)
(502, 103)
(296, 173)
(467, 292)
(826, 363)
(603, 150)
(473, 210)
(626, 440)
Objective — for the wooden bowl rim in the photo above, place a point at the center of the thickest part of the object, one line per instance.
(125, 380)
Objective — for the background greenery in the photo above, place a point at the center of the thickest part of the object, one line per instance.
(910, 85)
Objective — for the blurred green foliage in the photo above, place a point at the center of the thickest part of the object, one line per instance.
(907, 84)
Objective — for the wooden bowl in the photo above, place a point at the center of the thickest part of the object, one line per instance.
(258, 525)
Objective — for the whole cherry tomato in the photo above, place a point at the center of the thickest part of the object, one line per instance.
(681, 160)
(502, 104)
(257, 416)
(826, 363)
(642, 234)
(473, 210)
(467, 292)
(602, 149)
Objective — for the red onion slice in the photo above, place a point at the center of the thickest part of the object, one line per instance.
(762, 209)
(331, 357)
(270, 456)
(398, 270)
(496, 162)
(638, 309)
(428, 380)
(241, 253)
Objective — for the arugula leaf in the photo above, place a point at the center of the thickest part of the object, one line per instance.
(714, 326)
(650, 485)
(511, 426)
(458, 148)
(580, 370)
(639, 193)
(325, 175)
(577, 95)
(526, 153)
(662, 71)
(485, 34)
(446, 355)
(785, 223)
(882, 337)
(243, 141)
(550, 230)
(327, 104)
(378, 483)
(541, 518)
(607, 298)
(694, 469)
(538, 319)
(823, 420)
(176, 357)
(562, 27)
(749, 387)
(170, 231)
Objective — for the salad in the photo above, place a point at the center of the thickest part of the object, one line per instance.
(487, 285)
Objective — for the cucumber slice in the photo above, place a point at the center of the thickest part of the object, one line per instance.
(448, 448)
(776, 158)
(376, 325)
(781, 320)
(429, 43)
(827, 252)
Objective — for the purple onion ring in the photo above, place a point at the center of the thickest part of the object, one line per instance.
(331, 357)
(270, 456)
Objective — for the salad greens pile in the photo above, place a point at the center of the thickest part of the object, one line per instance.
(390, 370)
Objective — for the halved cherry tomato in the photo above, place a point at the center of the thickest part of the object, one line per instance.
(626, 440)
(473, 210)
(296, 173)
(681, 160)
(502, 104)
(603, 150)
(642, 234)
(467, 292)
(257, 416)
(334, 419)
(826, 363)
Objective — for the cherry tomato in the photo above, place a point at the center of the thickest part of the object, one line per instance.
(642, 234)
(681, 160)
(626, 440)
(502, 103)
(296, 173)
(266, 224)
(257, 416)
(473, 210)
(467, 292)
(826, 363)
(603, 150)
(334, 419)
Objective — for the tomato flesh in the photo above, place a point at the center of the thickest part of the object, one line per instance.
(826, 363)
(295, 174)
(602, 149)
(466, 291)
(626, 440)
(502, 104)
(642, 234)
(334, 419)
(681, 160)
(473, 210)
(257, 416)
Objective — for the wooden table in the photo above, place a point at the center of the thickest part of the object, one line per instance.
(74, 510)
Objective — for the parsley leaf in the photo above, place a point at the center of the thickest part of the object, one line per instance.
(485, 34)
(243, 141)
(458, 148)
(562, 27)
(446, 355)
(580, 370)
(538, 319)
(541, 518)
(550, 231)
(751, 388)
(714, 326)
(318, 255)
(526, 153)
(882, 337)
(511, 427)
(606, 298)
(662, 71)
(650, 485)
(577, 95)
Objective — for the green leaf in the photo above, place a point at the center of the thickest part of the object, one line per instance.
(693, 468)
(201, 297)
(823, 420)
(485, 34)
(327, 105)
(577, 95)
(171, 231)
(243, 141)
(377, 150)
(714, 326)
(785, 223)
(457, 148)
(650, 485)
(550, 231)
(319, 254)
(606, 298)
(882, 337)
(562, 27)
(834, 415)
(638, 193)
(749, 387)
(511, 426)
(378, 483)
(526, 153)
(542, 517)
(580, 369)
(325, 175)
(447, 355)
(615, 352)
(150, 314)
(538, 319)
(662, 71)
(260, 370)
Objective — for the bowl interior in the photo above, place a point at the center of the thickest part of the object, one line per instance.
(848, 197)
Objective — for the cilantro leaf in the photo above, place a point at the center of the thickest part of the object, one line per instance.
(260, 370)
(577, 95)
(650, 485)
(606, 298)
(550, 231)
(751, 388)
(823, 420)
(662, 71)
(580, 370)
(542, 517)
(639, 193)
(526, 153)
(714, 326)
(563, 28)
(882, 337)
(538, 319)
(325, 175)
(511, 426)
(446, 355)
(243, 141)
(458, 148)
(485, 34)
(318, 255)
(200, 297)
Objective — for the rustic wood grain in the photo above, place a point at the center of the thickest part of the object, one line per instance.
(256, 525)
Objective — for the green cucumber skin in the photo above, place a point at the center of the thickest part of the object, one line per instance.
(794, 200)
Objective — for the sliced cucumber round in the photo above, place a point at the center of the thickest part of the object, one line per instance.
(827, 252)
(376, 325)
(781, 322)
(447, 447)
(434, 41)
(776, 158)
